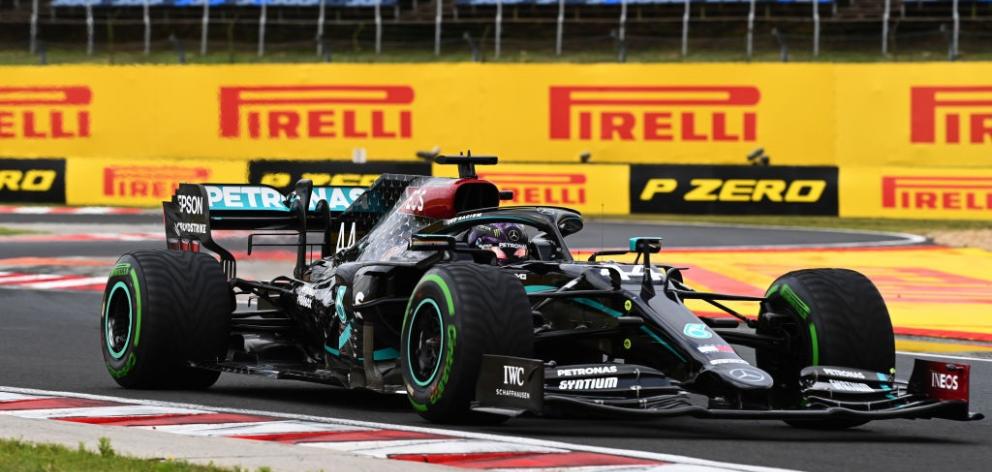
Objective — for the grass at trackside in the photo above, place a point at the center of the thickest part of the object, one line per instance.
(18, 456)
(826, 222)
(11, 232)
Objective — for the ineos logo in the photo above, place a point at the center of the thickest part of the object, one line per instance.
(747, 375)
(190, 204)
(513, 375)
(943, 381)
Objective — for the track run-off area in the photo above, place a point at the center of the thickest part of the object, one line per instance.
(939, 298)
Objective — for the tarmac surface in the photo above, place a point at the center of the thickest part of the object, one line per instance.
(595, 234)
(49, 340)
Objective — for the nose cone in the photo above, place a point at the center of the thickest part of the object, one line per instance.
(743, 376)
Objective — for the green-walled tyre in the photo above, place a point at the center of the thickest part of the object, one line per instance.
(458, 312)
(161, 310)
(833, 317)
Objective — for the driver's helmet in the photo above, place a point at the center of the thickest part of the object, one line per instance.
(507, 240)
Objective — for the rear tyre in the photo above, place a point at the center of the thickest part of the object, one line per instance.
(832, 317)
(458, 312)
(161, 310)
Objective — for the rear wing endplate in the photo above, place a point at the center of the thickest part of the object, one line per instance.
(197, 209)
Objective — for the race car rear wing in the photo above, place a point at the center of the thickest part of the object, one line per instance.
(343, 214)
(198, 209)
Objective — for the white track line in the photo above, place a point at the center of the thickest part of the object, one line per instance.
(93, 211)
(32, 210)
(75, 282)
(385, 449)
(261, 427)
(21, 278)
(11, 397)
(62, 210)
(102, 411)
(905, 239)
(686, 463)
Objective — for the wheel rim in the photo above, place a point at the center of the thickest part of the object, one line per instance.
(425, 342)
(117, 320)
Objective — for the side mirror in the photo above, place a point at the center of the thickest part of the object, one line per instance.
(432, 242)
(600, 281)
(645, 245)
(569, 225)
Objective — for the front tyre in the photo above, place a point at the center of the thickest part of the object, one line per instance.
(458, 312)
(833, 317)
(161, 310)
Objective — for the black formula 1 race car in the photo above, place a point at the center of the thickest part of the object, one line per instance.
(402, 300)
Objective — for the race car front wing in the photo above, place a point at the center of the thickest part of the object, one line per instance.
(513, 386)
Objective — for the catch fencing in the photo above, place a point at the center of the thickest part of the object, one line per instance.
(493, 29)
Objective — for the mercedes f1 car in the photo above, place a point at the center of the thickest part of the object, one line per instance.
(404, 298)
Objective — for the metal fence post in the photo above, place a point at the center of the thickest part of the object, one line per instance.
(205, 27)
(180, 50)
(816, 28)
(885, 27)
(437, 27)
(622, 35)
(499, 28)
(33, 45)
(320, 28)
(783, 48)
(263, 18)
(559, 35)
(476, 54)
(90, 33)
(956, 33)
(623, 21)
(146, 17)
(378, 26)
(685, 30)
(750, 31)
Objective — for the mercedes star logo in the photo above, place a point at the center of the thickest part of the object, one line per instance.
(747, 375)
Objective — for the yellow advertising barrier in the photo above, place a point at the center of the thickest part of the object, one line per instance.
(848, 115)
(925, 193)
(128, 182)
(592, 189)
(914, 115)
(930, 290)
(703, 113)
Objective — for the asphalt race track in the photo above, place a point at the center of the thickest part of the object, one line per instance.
(49, 340)
(596, 234)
